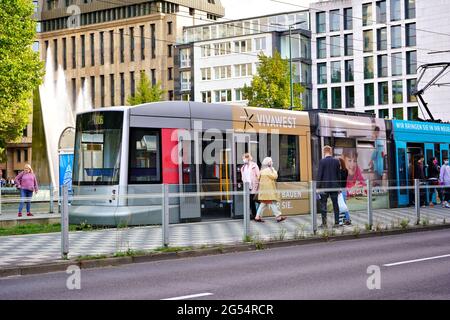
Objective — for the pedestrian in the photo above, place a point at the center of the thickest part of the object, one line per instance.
(343, 181)
(419, 174)
(328, 178)
(268, 195)
(433, 179)
(250, 175)
(27, 183)
(444, 179)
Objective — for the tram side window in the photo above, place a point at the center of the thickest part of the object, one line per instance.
(289, 162)
(145, 156)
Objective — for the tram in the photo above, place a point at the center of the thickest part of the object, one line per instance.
(124, 153)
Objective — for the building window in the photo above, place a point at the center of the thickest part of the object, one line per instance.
(102, 91)
(239, 95)
(396, 59)
(411, 62)
(368, 41)
(348, 19)
(411, 35)
(74, 53)
(243, 70)
(321, 48)
(223, 48)
(64, 53)
(397, 91)
(367, 14)
(153, 75)
(185, 58)
(145, 157)
(142, 42)
(112, 89)
(322, 95)
(381, 11)
(131, 44)
(321, 73)
(102, 48)
(169, 27)
(186, 97)
(410, 9)
(396, 37)
(411, 88)
(335, 20)
(368, 68)
(25, 155)
(153, 39)
(335, 46)
(83, 51)
(185, 80)
(349, 71)
(111, 46)
(205, 50)
(171, 96)
(398, 113)
(92, 49)
(93, 91)
(19, 155)
(336, 98)
(223, 72)
(122, 46)
(383, 93)
(335, 72)
(382, 66)
(206, 74)
(321, 24)
(223, 95)
(169, 50)
(122, 89)
(260, 44)
(132, 84)
(169, 74)
(206, 97)
(350, 97)
(369, 94)
(348, 44)
(413, 113)
(243, 46)
(74, 92)
(396, 13)
(382, 39)
(383, 113)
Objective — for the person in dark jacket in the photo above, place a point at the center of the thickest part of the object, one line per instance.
(419, 174)
(433, 180)
(328, 177)
(344, 176)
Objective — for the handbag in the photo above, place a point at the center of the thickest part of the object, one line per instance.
(342, 205)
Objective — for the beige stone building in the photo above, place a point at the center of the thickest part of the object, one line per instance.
(105, 45)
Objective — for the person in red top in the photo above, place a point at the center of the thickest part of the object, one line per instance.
(355, 179)
(27, 183)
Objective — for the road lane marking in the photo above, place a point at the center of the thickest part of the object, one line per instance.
(417, 260)
(198, 295)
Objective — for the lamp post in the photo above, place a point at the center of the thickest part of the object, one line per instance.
(290, 59)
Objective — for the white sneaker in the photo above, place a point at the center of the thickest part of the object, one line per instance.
(447, 205)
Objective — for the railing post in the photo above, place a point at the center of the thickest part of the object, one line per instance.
(313, 205)
(165, 215)
(65, 223)
(246, 195)
(51, 209)
(369, 203)
(417, 199)
(0, 197)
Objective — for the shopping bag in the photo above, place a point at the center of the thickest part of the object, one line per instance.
(342, 205)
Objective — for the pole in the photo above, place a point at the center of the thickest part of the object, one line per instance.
(51, 199)
(313, 206)
(290, 69)
(417, 199)
(65, 223)
(165, 216)
(369, 203)
(246, 195)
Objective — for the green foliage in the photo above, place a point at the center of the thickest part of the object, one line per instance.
(145, 92)
(270, 88)
(21, 70)
(404, 223)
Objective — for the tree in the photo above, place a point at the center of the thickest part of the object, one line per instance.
(270, 88)
(146, 92)
(21, 70)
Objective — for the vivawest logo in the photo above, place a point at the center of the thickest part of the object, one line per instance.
(247, 119)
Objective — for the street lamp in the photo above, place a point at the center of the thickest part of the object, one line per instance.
(290, 58)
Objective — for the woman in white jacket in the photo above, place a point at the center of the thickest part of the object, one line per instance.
(444, 179)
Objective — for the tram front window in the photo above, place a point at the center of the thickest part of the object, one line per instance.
(97, 148)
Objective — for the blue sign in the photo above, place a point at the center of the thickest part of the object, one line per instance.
(65, 170)
(421, 132)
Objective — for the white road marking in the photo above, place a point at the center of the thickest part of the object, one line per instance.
(191, 296)
(417, 260)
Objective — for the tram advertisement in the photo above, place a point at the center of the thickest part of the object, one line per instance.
(361, 143)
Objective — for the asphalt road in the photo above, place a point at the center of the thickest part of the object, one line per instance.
(337, 270)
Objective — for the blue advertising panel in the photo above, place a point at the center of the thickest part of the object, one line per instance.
(420, 132)
(65, 170)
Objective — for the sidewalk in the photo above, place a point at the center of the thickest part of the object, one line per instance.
(43, 248)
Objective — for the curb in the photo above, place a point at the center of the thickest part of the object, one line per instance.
(61, 266)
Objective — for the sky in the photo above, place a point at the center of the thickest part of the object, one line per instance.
(237, 9)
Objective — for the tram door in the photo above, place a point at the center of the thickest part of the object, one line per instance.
(403, 165)
(242, 143)
(444, 153)
(429, 154)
